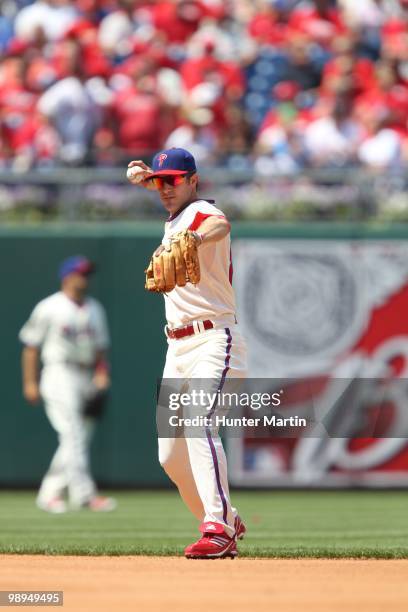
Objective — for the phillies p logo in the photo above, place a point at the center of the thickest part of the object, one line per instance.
(161, 159)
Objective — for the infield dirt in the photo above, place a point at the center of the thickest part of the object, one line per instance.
(153, 584)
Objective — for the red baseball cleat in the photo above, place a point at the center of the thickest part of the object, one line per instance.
(240, 529)
(214, 544)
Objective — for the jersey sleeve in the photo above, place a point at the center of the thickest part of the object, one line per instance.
(202, 211)
(102, 338)
(34, 331)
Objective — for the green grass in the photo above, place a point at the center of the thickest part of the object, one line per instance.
(280, 525)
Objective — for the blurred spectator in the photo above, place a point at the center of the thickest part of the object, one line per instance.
(321, 21)
(71, 107)
(53, 17)
(94, 62)
(394, 36)
(140, 118)
(386, 98)
(197, 134)
(382, 148)
(6, 29)
(207, 67)
(132, 19)
(236, 141)
(396, 8)
(177, 20)
(24, 136)
(279, 142)
(229, 38)
(280, 149)
(346, 65)
(270, 24)
(301, 68)
(365, 18)
(363, 14)
(333, 140)
(233, 80)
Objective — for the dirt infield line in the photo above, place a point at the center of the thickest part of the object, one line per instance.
(156, 584)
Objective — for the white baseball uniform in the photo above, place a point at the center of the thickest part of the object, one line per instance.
(69, 336)
(198, 465)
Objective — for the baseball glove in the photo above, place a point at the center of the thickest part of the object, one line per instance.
(175, 264)
(95, 406)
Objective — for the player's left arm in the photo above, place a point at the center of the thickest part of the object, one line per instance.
(212, 229)
(101, 378)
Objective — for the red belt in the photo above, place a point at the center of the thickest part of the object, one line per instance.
(189, 330)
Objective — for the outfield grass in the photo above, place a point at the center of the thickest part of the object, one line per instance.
(280, 524)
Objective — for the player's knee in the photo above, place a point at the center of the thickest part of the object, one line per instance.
(165, 460)
(166, 452)
(169, 465)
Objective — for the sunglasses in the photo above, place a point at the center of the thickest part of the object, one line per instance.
(172, 180)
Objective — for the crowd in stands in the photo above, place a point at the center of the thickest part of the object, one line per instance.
(282, 85)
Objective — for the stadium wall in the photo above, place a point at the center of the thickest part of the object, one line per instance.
(124, 450)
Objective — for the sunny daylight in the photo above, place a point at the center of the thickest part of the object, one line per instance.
(204, 241)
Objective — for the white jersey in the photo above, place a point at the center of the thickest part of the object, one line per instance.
(65, 331)
(213, 297)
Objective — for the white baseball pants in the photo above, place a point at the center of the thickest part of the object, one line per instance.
(198, 465)
(65, 390)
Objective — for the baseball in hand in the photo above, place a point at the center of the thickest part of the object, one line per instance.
(135, 174)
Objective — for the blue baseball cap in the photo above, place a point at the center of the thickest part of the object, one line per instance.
(173, 161)
(76, 264)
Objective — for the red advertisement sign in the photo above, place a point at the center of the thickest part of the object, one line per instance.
(333, 320)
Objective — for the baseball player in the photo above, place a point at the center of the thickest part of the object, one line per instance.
(204, 341)
(68, 330)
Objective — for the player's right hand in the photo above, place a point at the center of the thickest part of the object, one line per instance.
(139, 162)
(141, 180)
(31, 393)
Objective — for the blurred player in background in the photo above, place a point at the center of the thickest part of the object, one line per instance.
(69, 331)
